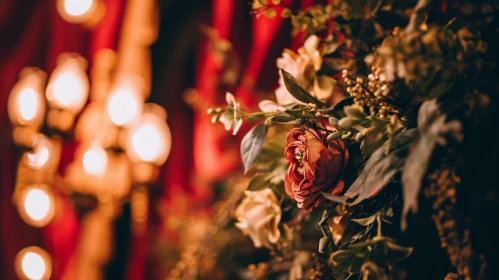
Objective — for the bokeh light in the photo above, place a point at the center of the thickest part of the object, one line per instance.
(40, 153)
(68, 85)
(36, 206)
(77, 7)
(28, 101)
(26, 104)
(95, 160)
(124, 104)
(150, 139)
(33, 263)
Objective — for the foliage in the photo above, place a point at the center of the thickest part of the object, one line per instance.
(413, 72)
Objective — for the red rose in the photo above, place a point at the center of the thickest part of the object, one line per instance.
(315, 165)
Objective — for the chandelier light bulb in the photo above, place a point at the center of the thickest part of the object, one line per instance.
(77, 7)
(28, 101)
(68, 86)
(95, 160)
(150, 139)
(26, 105)
(40, 153)
(37, 204)
(36, 207)
(85, 12)
(33, 263)
(124, 104)
(146, 141)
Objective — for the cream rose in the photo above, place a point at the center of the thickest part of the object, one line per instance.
(258, 216)
(304, 66)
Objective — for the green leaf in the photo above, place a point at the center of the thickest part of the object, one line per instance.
(341, 256)
(347, 260)
(251, 145)
(380, 168)
(374, 137)
(374, 272)
(298, 92)
(284, 118)
(338, 198)
(433, 127)
(337, 110)
(365, 221)
(414, 169)
(259, 182)
(396, 252)
(323, 243)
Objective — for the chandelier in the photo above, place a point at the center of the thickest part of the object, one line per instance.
(122, 142)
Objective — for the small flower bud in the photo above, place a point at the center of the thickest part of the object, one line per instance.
(333, 121)
(347, 135)
(359, 137)
(334, 136)
(346, 122)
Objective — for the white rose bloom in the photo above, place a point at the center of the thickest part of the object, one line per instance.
(304, 66)
(258, 216)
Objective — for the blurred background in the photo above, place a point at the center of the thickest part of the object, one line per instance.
(110, 167)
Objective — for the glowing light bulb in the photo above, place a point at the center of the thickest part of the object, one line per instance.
(40, 154)
(28, 100)
(33, 266)
(26, 105)
(147, 142)
(150, 139)
(124, 105)
(77, 7)
(68, 85)
(95, 161)
(66, 89)
(33, 263)
(37, 204)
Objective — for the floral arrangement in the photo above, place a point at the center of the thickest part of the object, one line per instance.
(376, 125)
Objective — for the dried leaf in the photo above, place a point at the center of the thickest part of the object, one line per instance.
(365, 221)
(251, 145)
(396, 252)
(347, 260)
(379, 169)
(298, 92)
(284, 118)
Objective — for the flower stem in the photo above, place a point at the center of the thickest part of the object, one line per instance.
(378, 219)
